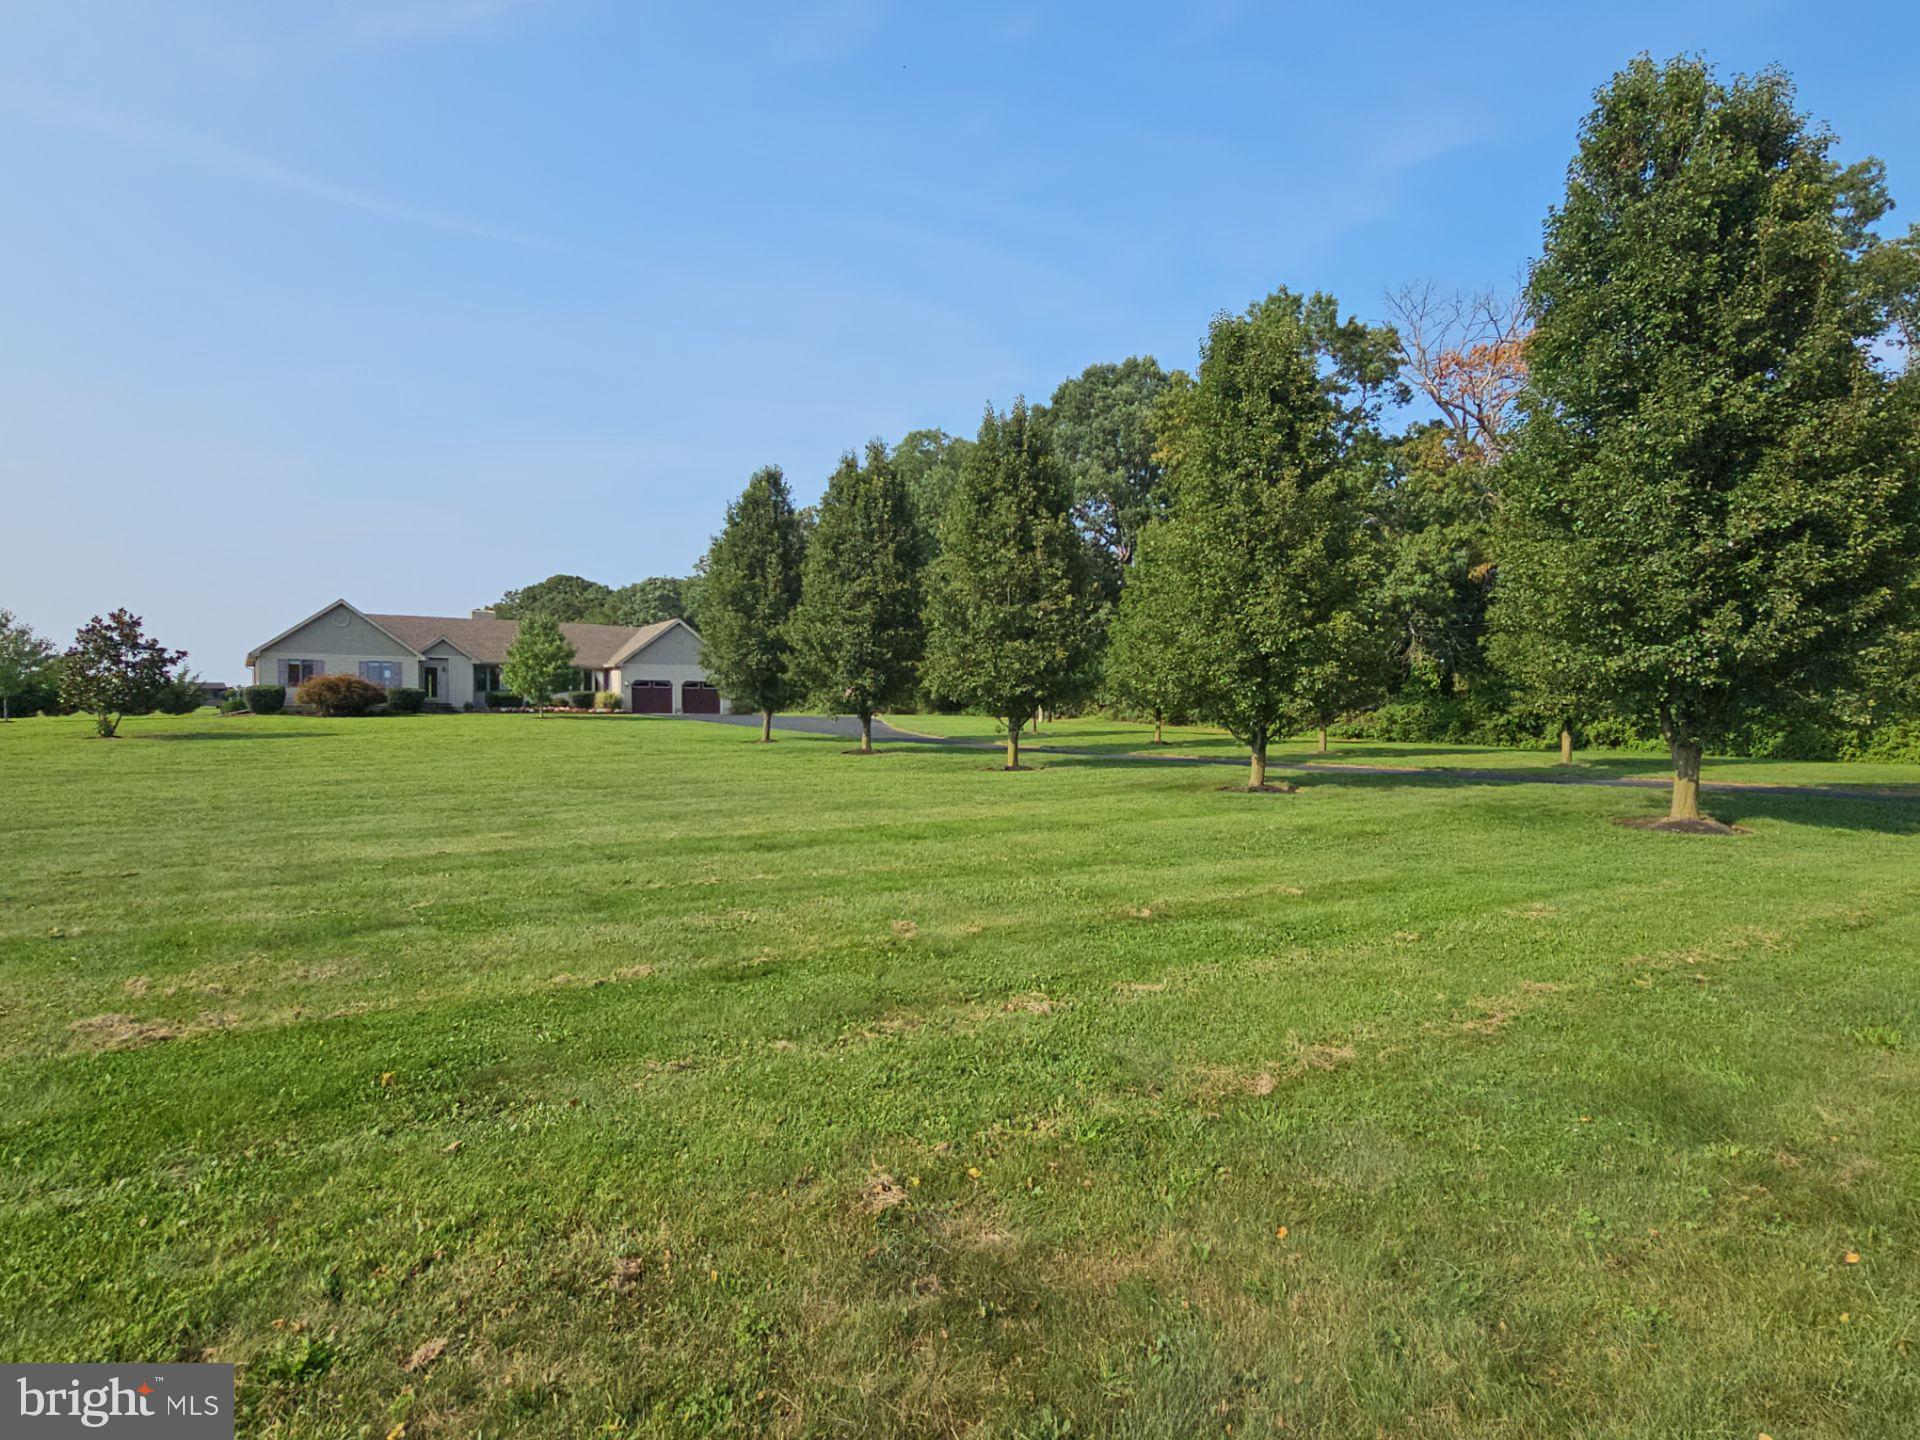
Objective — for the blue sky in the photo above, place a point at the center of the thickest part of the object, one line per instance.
(415, 300)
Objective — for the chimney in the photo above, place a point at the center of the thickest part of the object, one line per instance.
(486, 614)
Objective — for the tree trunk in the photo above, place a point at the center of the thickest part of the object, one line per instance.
(1566, 744)
(766, 727)
(1158, 738)
(106, 724)
(1323, 740)
(1013, 744)
(6, 707)
(866, 734)
(1257, 767)
(1686, 779)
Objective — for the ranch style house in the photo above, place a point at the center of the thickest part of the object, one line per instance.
(654, 668)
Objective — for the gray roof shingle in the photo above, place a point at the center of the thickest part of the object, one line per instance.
(594, 646)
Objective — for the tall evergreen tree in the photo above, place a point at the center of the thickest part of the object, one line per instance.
(1266, 544)
(1010, 630)
(857, 632)
(752, 584)
(1711, 498)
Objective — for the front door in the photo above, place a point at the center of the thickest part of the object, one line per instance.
(433, 680)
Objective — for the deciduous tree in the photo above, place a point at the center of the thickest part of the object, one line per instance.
(752, 585)
(538, 662)
(1468, 356)
(114, 669)
(1711, 498)
(928, 463)
(24, 658)
(857, 633)
(646, 602)
(1149, 662)
(1102, 426)
(1010, 630)
(1266, 544)
(567, 598)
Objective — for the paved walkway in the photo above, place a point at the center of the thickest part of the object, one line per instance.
(850, 728)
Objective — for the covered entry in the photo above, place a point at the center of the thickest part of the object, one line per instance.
(653, 697)
(699, 698)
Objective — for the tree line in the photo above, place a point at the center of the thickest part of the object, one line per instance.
(1670, 489)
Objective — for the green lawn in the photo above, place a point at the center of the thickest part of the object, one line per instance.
(1120, 737)
(630, 1077)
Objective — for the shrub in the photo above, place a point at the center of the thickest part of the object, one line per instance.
(340, 694)
(606, 699)
(181, 695)
(265, 699)
(235, 702)
(406, 700)
(504, 700)
(580, 699)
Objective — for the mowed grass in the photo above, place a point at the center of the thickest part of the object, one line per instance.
(1122, 738)
(514, 1076)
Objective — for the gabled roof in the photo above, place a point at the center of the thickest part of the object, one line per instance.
(646, 635)
(443, 640)
(373, 620)
(595, 647)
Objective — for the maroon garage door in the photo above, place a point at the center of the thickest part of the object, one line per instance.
(653, 697)
(699, 699)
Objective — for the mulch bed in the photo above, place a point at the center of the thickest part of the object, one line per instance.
(1670, 826)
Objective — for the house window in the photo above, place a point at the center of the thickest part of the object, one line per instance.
(301, 671)
(384, 673)
(485, 678)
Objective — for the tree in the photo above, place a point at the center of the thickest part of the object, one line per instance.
(568, 599)
(114, 670)
(1010, 630)
(1266, 547)
(646, 602)
(928, 463)
(752, 585)
(1711, 498)
(1468, 356)
(24, 659)
(1436, 513)
(184, 693)
(538, 662)
(1102, 427)
(1149, 659)
(857, 632)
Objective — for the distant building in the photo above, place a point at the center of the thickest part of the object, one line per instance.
(654, 668)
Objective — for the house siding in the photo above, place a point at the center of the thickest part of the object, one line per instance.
(458, 674)
(339, 640)
(674, 656)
